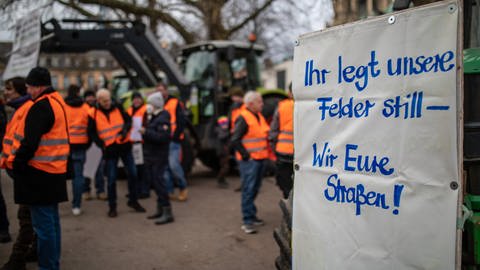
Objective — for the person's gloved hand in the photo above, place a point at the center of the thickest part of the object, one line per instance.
(245, 157)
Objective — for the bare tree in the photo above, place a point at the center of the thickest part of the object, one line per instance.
(275, 22)
(182, 15)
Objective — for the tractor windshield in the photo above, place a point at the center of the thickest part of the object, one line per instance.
(200, 68)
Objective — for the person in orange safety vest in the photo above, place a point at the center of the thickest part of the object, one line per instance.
(249, 139)
(16, 97)
(109, 126)
(41, 149)
(77, 115)
(177, 120)
(281, 138)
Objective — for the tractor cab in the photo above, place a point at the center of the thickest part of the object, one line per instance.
(214, 67)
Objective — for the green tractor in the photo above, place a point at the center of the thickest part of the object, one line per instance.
(471, 235)
(213, 68)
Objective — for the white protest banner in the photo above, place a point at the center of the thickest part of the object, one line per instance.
(26, 46)
(376, 143)
(94, 155)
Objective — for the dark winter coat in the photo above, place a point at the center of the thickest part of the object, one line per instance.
(157, 137)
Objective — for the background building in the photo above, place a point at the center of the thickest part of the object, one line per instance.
(91, 70)
(277, 76)
(353, 10)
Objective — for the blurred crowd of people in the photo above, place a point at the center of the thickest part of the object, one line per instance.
(47, 140)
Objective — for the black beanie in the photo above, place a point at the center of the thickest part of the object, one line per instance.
(39, 76)
(136, 95)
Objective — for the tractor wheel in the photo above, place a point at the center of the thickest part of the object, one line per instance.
(283, 235)
(188, 152)
(209, 159)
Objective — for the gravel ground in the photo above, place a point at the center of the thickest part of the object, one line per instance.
(205, 235)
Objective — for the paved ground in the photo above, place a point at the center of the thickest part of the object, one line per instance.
(205, 235)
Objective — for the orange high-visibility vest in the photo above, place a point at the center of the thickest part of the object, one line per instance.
(285, 137)
(108, 129)
(255, 140)
(234, 115)
(54, 148)
(171, 108)
(6, 161)
(77, 123)
(137, 115)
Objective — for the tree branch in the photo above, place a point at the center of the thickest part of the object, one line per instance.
(73, 5)
(145, 11)
(193, 3)
(249, 18)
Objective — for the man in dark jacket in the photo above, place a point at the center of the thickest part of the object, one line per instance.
(156, 136)
(108, 127)
(40, 164)
(249, 139)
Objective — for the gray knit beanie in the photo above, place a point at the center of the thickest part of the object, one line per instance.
(156, 100)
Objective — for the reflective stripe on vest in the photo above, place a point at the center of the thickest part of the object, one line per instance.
(255, 140)
(6, 161)
(7, 141)
(78, 123)
(108, 129)
(137, 117)
(171, 108)
(52, 153)
(234, 115)
(285, 137)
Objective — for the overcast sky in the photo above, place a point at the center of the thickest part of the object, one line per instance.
(319, 13)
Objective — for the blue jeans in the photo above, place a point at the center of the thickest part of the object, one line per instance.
(251, 173)
(99, 179)
(175, 168)
(46, 223)
(129, 164)
(78, 159)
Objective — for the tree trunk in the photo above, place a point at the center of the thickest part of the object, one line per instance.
(213, 19)
(342, 11)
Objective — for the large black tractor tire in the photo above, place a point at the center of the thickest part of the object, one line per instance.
(210, 159)
(283, 235)
(188, 152)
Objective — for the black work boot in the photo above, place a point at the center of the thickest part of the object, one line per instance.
(32, 255)
(166, 216)
(112, 212)
(222, 183)
(5, 237)
(157, 214)
(136, 206)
